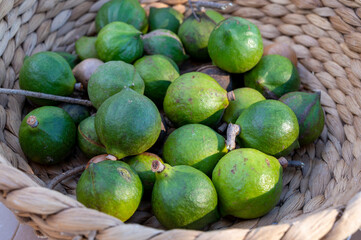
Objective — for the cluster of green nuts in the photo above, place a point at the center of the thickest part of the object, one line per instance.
(146, 104)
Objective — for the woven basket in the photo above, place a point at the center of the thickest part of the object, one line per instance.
(320, 201)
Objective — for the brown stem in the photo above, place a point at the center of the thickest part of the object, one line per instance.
(285, 163)
(222, 128)
(46, 96)
(231, 96)
(200, 4)
(193, 12)
(32, 121)
(296, 164)
(157, 166)
(72, 172)
(222, 6)
(232, 131)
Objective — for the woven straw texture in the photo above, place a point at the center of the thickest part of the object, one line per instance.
(320, 201)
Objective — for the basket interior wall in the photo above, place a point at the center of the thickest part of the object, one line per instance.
(326, 35)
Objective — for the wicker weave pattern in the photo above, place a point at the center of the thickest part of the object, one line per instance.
(322, 201)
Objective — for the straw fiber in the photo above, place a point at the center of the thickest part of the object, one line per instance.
(321, 201)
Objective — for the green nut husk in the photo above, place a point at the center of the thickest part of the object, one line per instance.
(245, 97)
(273, 76)
(111, 78)
(85, 48)
(47, 135)
(310, 116)
(127, 123)
(183, 197)
(119, 41)
(166, 43)
(111, 187)
(235, 45)
(77, 112)
(46, 72)
(158, 72)
(248, 183)
(142, 164)
(269, 126)
(195, 33)
(128, 11)
(71, 59)
(195, 98)
(214, 15)
(195, 145)
(222, 77)
(165, 18)
(88, 140)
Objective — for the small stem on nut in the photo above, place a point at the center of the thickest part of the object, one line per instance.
(32, 121)
(232, 131)
(222, 128)
(157, 166)
(231, 96)
(285, 163)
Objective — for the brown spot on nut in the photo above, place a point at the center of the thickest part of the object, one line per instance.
(124, 173)
(234, 169)
(268, 163)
